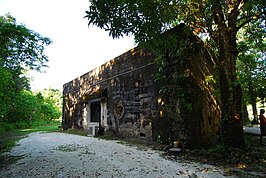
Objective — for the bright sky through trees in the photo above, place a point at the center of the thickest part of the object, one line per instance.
(76, 49)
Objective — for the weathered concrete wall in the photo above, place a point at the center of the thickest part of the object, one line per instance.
(131, 94)
(203, 121)
(192, 112)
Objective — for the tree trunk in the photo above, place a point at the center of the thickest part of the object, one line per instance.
(254, 109)
(232, 124)
(231, 92)
(245, 112)
(253, 100)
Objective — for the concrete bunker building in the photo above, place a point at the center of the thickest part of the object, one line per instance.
(122, 97)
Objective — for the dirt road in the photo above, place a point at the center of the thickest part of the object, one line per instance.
(65, 155)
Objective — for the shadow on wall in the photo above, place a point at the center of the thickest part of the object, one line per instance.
(125, 86)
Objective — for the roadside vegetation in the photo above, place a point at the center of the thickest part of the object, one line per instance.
(31, 109)
(23, 111)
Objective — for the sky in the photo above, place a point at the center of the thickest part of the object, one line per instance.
(76, 48)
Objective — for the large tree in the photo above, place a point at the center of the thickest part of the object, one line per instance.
(21, 49)
(217, 20)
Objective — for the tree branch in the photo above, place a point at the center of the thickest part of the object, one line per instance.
(251, 19)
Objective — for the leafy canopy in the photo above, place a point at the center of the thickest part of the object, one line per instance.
(20, 47)
(146, 19)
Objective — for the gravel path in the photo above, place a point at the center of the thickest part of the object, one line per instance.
(65, 155)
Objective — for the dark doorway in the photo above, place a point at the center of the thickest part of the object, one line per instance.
(95, 111)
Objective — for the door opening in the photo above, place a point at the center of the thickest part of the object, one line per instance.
(95, 111)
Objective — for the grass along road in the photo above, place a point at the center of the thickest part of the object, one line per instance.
(10, 138)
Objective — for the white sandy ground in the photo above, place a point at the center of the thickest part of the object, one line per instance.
(65, 155)
(253, 129)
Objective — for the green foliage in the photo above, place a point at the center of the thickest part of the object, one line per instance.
(6, 91)
(159, 139)
(54, 97)
(21, 49)
(251, 63)
(209, 79)
(22, 108)
(29, 109)
(148, 19)
(248, 140)
(217, 149)
(141, 18)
